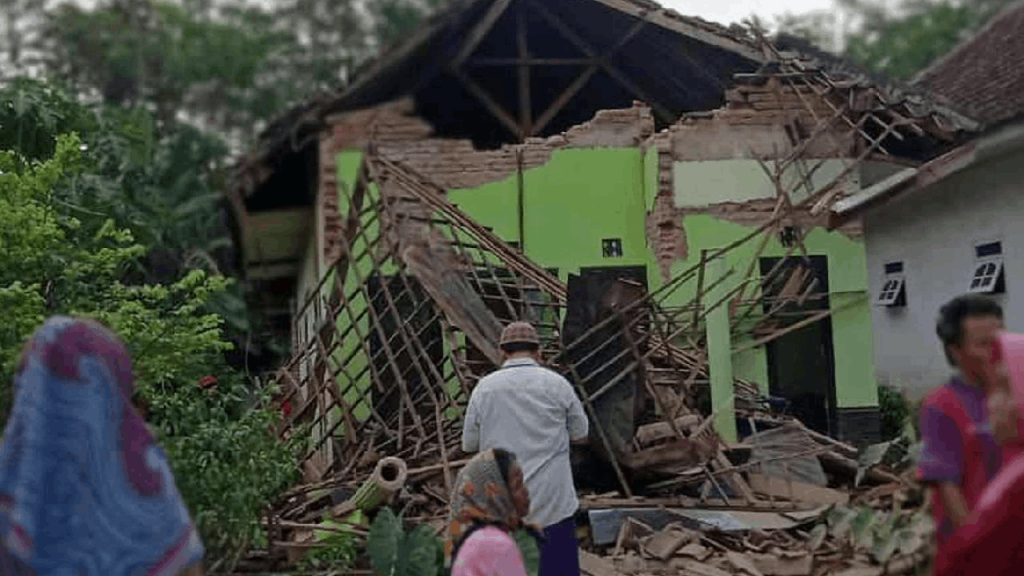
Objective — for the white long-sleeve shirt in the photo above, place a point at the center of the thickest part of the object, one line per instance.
(534, 413)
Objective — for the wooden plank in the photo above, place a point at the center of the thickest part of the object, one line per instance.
(840, 447)
(435, 269)
(501, 62)
(484, 26)
(492, 106)
(563, 99)
(777, 449)
(795, 490)
(594, 565)
(734, 479)
(606, 64)
(649, 433)
(677, 24)
(525, 107)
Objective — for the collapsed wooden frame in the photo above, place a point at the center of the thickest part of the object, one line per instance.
(412, 308)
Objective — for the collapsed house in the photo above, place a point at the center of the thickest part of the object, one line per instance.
(673, 253)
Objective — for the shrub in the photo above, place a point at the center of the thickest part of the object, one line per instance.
(894, 410)
(226, 462)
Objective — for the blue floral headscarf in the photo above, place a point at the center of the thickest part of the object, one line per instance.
(84, 489)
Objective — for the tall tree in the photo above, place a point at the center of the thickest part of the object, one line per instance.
(897, 39)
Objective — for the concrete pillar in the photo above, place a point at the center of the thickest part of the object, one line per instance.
(720, 353)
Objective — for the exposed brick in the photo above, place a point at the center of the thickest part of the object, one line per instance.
(405, 138)
(665, 234)
(736, 131)
(455, 164)
(753, 124)
(754, 213)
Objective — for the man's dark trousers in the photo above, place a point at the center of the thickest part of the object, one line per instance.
(560, 551)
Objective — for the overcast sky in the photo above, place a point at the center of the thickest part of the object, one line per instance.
(728, 11)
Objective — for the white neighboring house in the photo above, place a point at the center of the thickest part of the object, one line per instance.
(956, 224)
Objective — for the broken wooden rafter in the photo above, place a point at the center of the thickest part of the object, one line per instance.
(479, 32)
(488, 101)
(523, 73)
(569, 34)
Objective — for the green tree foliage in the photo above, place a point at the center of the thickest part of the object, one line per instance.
(164, 189)
(898, 39)
(163, 55)
(393, 20)
(113, 209)
(227, 462)
(230, 67)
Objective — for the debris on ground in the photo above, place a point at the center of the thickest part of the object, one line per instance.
(414, 307)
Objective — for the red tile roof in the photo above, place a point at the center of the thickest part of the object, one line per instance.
(984, 76)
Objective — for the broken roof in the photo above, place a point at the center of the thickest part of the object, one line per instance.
(581, 56)
(464, 72)
(983, 74)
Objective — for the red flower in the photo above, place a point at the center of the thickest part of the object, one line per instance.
(207, 382)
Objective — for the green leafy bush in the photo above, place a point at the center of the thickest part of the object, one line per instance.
(393, 552)
(226, 461)
(894, 410)
(337, 550)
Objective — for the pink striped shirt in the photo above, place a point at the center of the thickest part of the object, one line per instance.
(489, 551)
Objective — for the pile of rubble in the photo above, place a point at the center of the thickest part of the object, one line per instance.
(407, 320)
(786, 501)
(803, 516)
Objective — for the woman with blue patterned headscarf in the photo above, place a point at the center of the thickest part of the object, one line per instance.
(84, 489)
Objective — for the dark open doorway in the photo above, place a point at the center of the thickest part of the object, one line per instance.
(801, 364)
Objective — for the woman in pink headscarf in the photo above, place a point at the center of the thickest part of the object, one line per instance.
(992, 540)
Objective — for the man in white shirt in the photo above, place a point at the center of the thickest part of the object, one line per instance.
(534, 413)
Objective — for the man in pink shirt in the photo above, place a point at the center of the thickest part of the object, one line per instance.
(960, 455)
(991, 540)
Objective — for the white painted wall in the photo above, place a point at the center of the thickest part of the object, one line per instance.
(934, 232)
(699, 184)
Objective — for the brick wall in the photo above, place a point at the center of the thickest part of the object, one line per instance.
(758, 121)
(455, 164)
(763, 122)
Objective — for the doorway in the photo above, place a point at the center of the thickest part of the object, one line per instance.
(801, 363)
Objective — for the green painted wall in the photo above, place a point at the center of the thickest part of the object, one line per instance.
(571, 203)
(354, 378)
(582, 196)
(494, 205)
(851, 320)
(579, 198)
(720, 367)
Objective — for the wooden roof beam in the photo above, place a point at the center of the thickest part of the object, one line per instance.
(480, 31)
(678, 24)
(604, 61)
